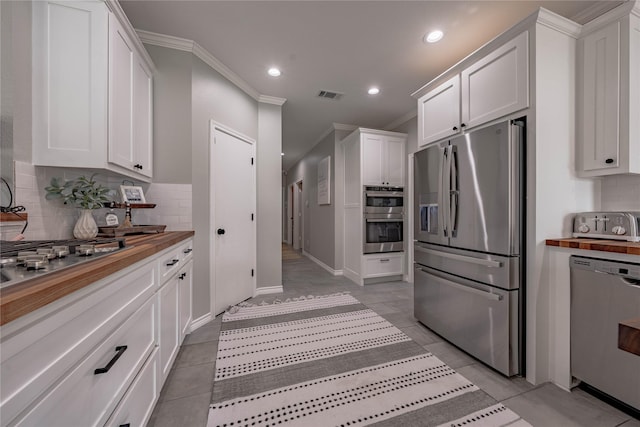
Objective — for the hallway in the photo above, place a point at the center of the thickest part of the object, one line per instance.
(185, 398)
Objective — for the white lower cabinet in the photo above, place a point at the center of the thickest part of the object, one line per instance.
(100, 355)
(380, 265)
(88, 395)
(185, 286)
(137, 405)
(168, 339)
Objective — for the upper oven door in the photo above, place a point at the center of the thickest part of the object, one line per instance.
(383, 202)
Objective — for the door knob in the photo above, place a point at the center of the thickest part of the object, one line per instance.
(220, 231)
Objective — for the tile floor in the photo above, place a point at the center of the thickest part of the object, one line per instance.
(184, 400)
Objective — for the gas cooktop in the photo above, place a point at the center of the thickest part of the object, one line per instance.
(28, 259)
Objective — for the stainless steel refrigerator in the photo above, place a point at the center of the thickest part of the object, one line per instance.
(469, 201)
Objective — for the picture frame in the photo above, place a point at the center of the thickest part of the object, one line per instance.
(132, 194)
(324, 181)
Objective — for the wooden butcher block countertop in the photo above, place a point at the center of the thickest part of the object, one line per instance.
(615, 246)
(629, 336)
(27, 296)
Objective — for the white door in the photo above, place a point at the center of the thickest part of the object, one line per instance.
(297, 216)
(233, 230)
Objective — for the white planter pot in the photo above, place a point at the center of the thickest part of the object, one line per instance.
(86, 227)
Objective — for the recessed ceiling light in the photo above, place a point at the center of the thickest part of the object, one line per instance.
(433, 36)
(274, 72)
(373, 91)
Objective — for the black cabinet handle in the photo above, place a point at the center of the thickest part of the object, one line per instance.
(455, 128)
(125, 425)
(462, 125)
(220, 231)
(187, 251)
(137, 166)
(173, 262)
(182, 276)
(119, 351)
(608, 161)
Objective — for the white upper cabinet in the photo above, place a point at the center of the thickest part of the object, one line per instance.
(69, 83)
(496, 85)
(492, 87)
(608, 127)
(383, 160)
(129, 103)
(92, 89)
(439, 112)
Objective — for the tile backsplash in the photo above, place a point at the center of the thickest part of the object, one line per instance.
(50, 219)
(620, 193)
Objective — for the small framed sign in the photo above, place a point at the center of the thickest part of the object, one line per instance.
(132, 194)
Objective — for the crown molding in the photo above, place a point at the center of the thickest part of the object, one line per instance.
(342, 126)
(558, 23)
(266, 99)
(402, 119)
(592, 12)
(615, 14)
(165, 41)
(193, 47)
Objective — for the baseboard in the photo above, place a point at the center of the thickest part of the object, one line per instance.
(200, 321)
(268, 290)
(353, 276)
(322, 264)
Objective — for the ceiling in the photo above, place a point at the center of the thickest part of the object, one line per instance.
(341, 46)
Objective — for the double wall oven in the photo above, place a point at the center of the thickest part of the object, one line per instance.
(383, 219)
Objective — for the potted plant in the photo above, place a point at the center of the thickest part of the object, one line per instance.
(84, 193)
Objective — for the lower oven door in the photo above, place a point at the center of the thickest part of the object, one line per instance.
(482, 320)
(383, 233)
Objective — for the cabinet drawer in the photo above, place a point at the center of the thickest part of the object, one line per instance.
(186, 251)
(169, 263)
(382, 265)
(36, 356)
(87, 397)
(137, 405)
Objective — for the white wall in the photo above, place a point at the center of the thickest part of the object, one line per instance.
(620, 193)
(269, 194)
(213, 98)
(171, 115)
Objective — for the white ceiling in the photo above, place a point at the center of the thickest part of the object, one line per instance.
(343, 46)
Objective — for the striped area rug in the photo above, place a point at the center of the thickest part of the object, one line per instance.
(331, 361)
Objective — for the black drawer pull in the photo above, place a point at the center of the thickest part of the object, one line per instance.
(173, 262)
(609, 161)
(120, 351)
(182, 276)
(187, 251)
(125, 425)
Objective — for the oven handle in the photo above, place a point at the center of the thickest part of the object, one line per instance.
(384, 193)
(483, 262)
(484, 294)
(383, 220)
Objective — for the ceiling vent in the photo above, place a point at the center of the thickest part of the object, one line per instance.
(330, 95)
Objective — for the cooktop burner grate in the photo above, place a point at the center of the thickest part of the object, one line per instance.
(11, 249)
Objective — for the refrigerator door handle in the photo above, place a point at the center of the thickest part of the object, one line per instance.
(454, 191)
(479, 292)
(483, 262)
(444, 190)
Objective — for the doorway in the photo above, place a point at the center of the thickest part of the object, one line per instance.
(297, 217)
(233, 227)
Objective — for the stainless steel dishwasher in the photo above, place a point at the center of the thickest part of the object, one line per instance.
(603, 293)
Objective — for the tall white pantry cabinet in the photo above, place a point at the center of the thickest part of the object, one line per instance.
(371, 158)
(92, 89)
